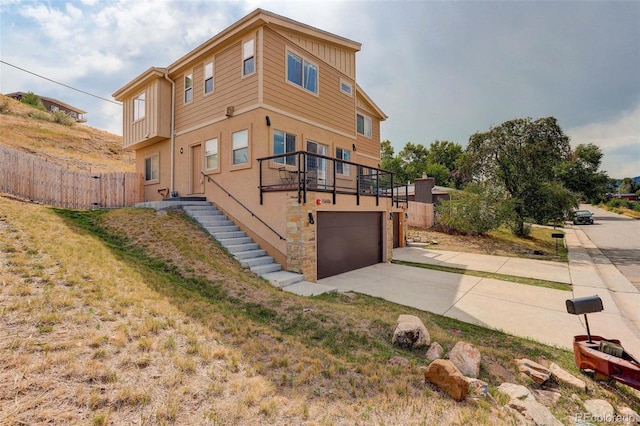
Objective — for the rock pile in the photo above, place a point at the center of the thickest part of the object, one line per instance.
(457, 376)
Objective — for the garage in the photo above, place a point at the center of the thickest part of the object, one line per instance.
(348, 241)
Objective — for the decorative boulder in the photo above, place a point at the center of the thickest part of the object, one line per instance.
(537, 372)
(566, 377)
(599, 408)
(410, 332)
(435, 351)
(445, 375)
(466, 358)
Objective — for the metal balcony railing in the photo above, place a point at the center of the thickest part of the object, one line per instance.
(303, 171)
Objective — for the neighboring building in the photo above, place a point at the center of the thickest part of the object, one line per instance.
(269, 111)
(55, 105)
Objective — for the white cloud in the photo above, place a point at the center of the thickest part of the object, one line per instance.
(619, 139)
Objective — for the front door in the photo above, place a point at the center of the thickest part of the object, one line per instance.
(197, 167)
(317, 167)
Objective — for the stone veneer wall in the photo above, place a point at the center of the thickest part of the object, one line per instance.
(301, 239)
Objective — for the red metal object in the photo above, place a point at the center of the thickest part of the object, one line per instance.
(589, 356)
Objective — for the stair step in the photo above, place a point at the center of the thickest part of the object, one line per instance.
(226, 228)
(282, 279)
(235, 241)
(198, 208)
(241, 255)
(215, 223)
(227, 235)
(264, 269)
(206, 214)
(236, 248)
(257, 261)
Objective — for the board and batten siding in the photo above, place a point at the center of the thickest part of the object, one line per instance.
(231, 89)
(156, 124)
(330, 108)
(341, 59)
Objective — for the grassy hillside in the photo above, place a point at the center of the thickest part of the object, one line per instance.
(132, 316)
(77, 147)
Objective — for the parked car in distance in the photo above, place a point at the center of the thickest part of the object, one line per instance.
(582, 217)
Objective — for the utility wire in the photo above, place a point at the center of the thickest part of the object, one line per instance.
(61, 84)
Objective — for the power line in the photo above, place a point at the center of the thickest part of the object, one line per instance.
(61, 84)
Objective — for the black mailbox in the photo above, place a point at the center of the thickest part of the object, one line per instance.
(557, 235)
(584, 305)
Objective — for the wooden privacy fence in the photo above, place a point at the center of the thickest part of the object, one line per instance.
(420, 214)
(32, 178)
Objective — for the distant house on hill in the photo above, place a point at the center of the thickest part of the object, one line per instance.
(55, 105)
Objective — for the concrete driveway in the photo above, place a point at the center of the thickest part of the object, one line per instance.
(522, 310)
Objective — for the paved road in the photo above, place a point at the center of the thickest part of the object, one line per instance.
(618, 238)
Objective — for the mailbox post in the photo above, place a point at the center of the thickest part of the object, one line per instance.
(557, 236)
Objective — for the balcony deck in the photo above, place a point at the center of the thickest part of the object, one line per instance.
(304, 172)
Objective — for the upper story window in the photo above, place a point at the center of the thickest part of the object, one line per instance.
(188, 88)
(364, 125)
(208, 77)
(152, 168)
(283, 143)
(302, 73)
(342, 168)
(211, 154)
(346, 88)
(248, 57)
(240, 147)
(139, 107)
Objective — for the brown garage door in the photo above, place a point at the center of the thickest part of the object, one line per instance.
(348, 241)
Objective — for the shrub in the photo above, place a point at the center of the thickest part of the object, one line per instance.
(40, 115)
(5, 107)
(476, 210)
(33, 100)
(62, 118)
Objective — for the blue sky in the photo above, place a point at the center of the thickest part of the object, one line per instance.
(440, 70)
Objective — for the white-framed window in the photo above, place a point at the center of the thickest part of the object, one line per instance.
(282, 143)
(208, 77)
(139, 107)
(248, 57)
(342, 168)
(240, 147)
(302, 72)
(364, 125)
(152, 168)
(346, 87)
(211, 154)
(188, 88)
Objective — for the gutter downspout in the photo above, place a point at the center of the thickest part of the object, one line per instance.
(173, 133)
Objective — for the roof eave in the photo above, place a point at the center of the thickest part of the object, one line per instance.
(373, 105)
(139, 83)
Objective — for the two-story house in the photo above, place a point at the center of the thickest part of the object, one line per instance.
(266, 120)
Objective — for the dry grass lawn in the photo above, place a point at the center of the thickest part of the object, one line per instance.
(77, 147)
(134, 317)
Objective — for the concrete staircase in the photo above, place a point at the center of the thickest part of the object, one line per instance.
(247, 252)
(242, 247)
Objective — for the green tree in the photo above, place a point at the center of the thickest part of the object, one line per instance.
(520, 155)
(476, 210)
(439, 172)
(414, 160)
(391, 163)
(628, 186)
(34, 100)
(581, 173)
(445, 153)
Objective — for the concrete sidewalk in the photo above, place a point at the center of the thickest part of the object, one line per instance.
(522, 310)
